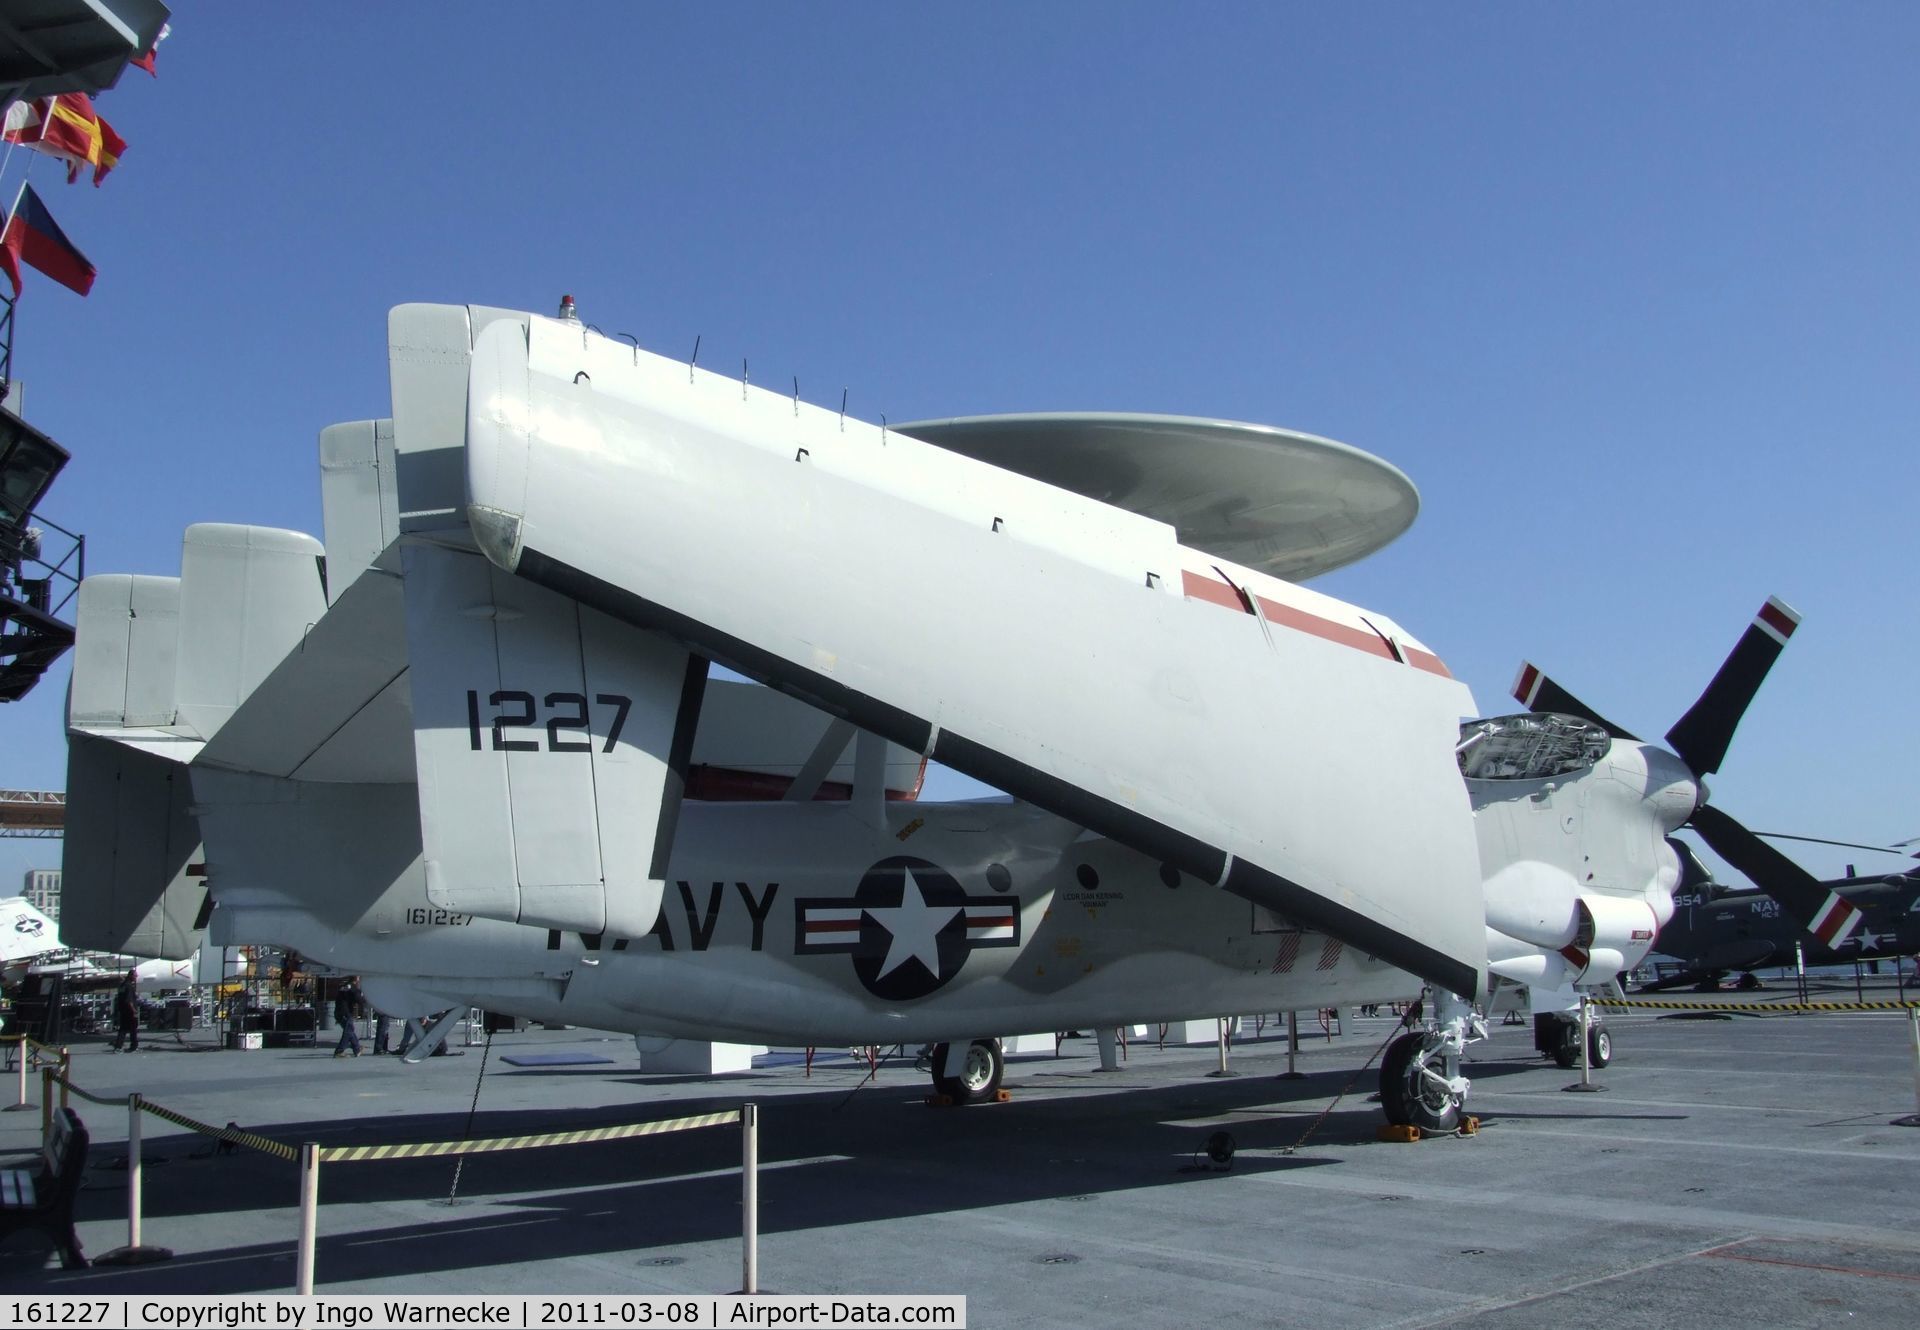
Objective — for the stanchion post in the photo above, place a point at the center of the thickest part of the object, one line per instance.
(133, 1171)
(1586, 1043)
(1220, 1034)
(46, 1105)
(749, 1198)
(1913, 1024)
(1586, 1050)
(66, 1070)
(20, 1095)
(309, 1215)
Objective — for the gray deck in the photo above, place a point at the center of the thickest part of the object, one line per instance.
(1736, 1172)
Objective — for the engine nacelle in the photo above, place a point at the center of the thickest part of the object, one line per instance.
(1541, 906)
(1554, 969)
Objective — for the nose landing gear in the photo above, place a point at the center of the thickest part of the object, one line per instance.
(1420, 1081)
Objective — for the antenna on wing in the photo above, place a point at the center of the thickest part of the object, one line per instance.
(693, 359)
(843, 410)
(796, 397)
(743, 378)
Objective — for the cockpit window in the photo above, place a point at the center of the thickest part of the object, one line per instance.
(1529, 746)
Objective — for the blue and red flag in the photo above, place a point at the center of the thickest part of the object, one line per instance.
(33, 235)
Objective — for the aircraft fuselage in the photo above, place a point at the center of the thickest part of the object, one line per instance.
(960, 920)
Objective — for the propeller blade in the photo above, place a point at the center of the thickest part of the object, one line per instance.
(1536, 692)
(1700, 737)
(1815, 907)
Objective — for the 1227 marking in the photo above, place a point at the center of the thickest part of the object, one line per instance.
(514, 709)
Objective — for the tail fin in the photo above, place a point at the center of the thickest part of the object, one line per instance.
(248, 594)
(125, 659)
(131, 852)
(24, 931)
(160, 664)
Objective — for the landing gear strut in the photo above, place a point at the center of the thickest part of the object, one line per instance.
(969, 1075)
(1420, 1081)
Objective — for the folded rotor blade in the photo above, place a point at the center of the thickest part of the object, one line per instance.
(1843, 844)
(1700, 737)
(1536, 692)
(1815, 907)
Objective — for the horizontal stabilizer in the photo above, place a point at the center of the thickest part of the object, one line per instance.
(335, 708)
(755, 743)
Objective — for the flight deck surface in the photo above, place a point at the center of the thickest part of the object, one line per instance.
(1735, 1172)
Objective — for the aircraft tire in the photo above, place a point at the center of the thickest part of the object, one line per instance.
(1566, 1049)
(1599, 1046)
(1407, 1096)
(980, 1077)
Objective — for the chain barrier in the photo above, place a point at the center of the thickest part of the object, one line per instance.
(428, 1149)
(309, 1155)
(1683, 1004)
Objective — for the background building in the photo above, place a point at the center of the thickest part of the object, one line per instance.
(42, 891)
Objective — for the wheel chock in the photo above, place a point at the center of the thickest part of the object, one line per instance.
(1469, 1125)
(948, 1101)
(1394, 1133)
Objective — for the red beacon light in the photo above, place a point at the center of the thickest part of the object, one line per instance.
(567, 311)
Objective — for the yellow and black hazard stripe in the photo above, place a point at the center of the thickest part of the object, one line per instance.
(429, 1149)
(231, 1135)
(1677, 1004)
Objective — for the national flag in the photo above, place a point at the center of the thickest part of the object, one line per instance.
(68, 128)
(146, 61)
(33, 235)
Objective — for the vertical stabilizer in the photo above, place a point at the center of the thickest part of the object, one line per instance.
(131, 853)
(248, 594)
(124, 660)
(551, 744)
(24, 931)
(359, 499)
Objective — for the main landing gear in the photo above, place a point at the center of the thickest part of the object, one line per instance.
(1420, 1081)
(968, 1073)
(1556, 1034)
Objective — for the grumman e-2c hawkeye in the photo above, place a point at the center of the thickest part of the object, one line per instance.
(469, 748)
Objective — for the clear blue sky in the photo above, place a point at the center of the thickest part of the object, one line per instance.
(1630, 291)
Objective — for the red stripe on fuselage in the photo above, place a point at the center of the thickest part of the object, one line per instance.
(1215, 592)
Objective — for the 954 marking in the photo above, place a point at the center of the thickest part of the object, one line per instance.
(514, 709)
